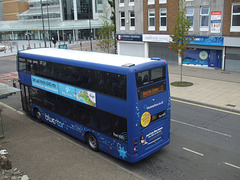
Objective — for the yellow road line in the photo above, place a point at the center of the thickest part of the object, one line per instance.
(207, 107)
(7, 106)
(13, 109)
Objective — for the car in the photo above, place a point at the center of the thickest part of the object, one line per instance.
(2, 48)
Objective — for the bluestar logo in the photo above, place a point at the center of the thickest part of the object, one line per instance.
(53, 120)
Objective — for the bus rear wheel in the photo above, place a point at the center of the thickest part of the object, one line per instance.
(92, 141)
(38, 115)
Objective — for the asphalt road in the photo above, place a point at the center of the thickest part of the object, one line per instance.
(204, 145)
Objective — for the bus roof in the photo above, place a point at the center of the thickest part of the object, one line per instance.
(93, 57)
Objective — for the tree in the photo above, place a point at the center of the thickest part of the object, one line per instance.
(180, 37)
(113, 18)
(106, 38)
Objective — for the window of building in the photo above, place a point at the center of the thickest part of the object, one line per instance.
(151, 19)
(204, 18)
(163, 19)
(151, 1)
(235, 20)
(162, 1)
(189, 15)
(121, 3)
(68, 11)
(84, 9)
(122, 20)
(132, 20)
(131, 3)
(99, 6)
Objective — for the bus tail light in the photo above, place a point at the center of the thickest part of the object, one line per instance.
(135, 147)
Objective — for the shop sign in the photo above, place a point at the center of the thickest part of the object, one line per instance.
(156, 38)
(129, 37)
(208, 41)
(216, 21)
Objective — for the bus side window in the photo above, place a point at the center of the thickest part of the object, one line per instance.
(34, 67)
(105, 124)
(22, 65)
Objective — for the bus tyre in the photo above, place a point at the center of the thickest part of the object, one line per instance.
(38, 115)
(92, 141)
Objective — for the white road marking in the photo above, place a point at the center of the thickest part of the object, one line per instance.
(231, 165)
(202, 128)
(195, 152)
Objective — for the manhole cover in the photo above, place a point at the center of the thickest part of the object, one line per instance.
(231, 105)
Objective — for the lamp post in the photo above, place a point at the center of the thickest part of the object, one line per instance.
(45, 45)
(90, 27)
(49, 32)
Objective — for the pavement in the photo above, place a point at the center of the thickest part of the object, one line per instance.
(44, 154)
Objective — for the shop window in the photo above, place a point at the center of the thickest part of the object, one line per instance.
(151, 2)
(235, 20)
(163, 19)
(204, 18)
(151, 20)
(122, 20)
(189, 15)
(132, 20)
(162, 1)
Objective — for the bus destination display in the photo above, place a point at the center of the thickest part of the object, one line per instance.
(151, 90)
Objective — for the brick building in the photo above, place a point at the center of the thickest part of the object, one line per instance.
(232, 35)
(154, 21)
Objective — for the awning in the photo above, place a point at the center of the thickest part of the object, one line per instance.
(57, 24)
(6, 90)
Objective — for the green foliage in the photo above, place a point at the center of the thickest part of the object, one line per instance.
(180, 37)
(106, 34)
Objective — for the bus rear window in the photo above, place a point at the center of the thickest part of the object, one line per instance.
(150, 76)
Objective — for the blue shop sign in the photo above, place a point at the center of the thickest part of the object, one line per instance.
(208, 41)
(129, 37)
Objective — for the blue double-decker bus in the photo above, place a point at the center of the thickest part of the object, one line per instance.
(116, 104)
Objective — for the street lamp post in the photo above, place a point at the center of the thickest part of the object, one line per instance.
(90, 27)
(49, 32)
(45, 45)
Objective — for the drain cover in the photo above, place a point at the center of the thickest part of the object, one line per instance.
(231, 105)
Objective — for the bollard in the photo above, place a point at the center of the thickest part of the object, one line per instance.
(40, 45)
(34, 46)
(11, 48)
(17, 48)
(23, 47)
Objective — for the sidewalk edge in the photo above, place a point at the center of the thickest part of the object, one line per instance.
(207, 104)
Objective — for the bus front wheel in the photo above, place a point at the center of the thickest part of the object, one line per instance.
(92, 141)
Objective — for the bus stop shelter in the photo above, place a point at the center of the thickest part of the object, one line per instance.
(5, 91)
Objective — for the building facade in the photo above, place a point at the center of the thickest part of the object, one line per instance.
(231, 34)
(64, 19)
(207, 30)
(215, 26)
(154, 21)
(11, 9)
(129, 27)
